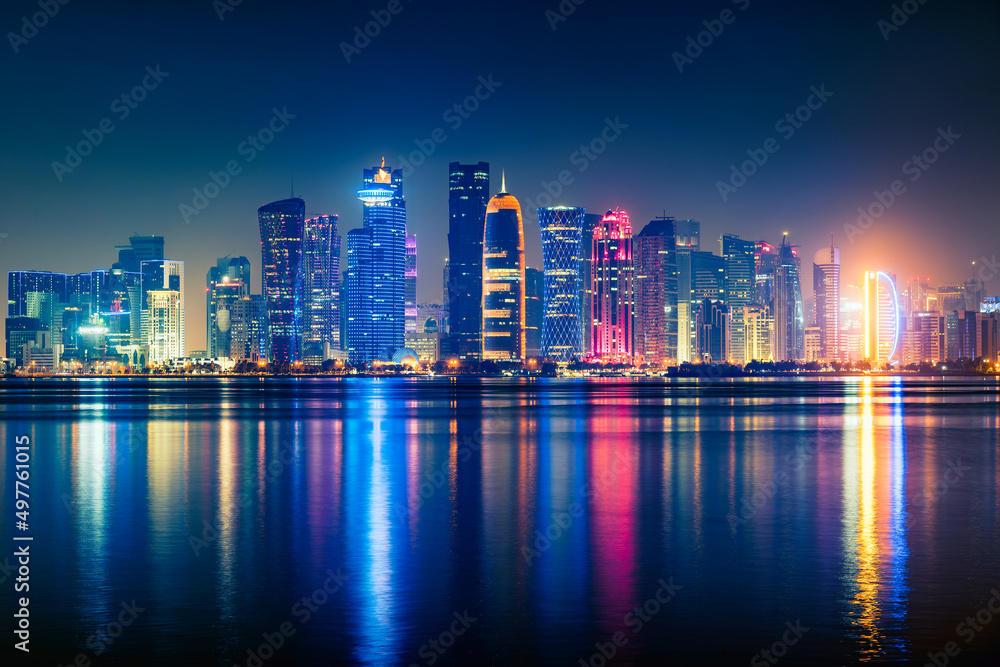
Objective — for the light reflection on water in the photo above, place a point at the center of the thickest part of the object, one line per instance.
(545, 509)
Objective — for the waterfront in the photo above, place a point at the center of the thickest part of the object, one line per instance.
(512, 520)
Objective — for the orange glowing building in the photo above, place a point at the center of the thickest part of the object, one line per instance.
(503, 280)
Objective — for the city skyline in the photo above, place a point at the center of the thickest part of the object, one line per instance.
(849, 151)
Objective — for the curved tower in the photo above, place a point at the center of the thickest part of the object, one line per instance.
(503, 280)
(882, 317)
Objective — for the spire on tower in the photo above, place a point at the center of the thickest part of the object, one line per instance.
(503, 181)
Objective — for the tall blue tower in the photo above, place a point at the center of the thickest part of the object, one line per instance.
(377, 269)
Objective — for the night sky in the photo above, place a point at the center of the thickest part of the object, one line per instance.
(553, 92)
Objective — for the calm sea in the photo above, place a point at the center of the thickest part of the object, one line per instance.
(487, 521)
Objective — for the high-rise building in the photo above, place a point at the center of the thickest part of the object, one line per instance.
(468, 194)
(140, 249)
(116, 298)
(410, 307)
(503, 280)
(882, 318)
(765, 263)
(789, 318)
(590, 222)
(974, 291)
(759, 327)
(281, 228)
(613, 272)
(320, 287)
(534, 314)
(738, 281)
(20, 331)
(826, 301)
(165, 323)
(377, 269)
(22, 284)
(923, 338)
(224, 278)
(712, 335)
(562, 249)
(222, 298)
(248, 337)
(445, 304)
(162, 275)
(687, 240)
(656, 294)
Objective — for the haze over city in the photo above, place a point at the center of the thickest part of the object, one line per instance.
(680, 126)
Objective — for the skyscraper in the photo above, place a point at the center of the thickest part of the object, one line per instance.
(224, 278)
(687, 240)
(281, 229)
(411, 285)
(882, 318)
(759, 327)
(590, 222)
(320, 286)
(738, 283)
(377, 321)
(613, 270)
(468, 194)
(712, 336)
(656, 294)
(534, 315)
(503, 280)
(160, 276)
(221, 299)
(826, 301)
(562, 325)
(140, 249)
(789, 320)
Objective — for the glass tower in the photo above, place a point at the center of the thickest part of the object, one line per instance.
(377, 269)
(613, 283)
(656, 293)
(503, 280)
(281, 229)
(826, 301)
(468, 194)
(411, 285)
(740, 273)
(789, 319)
(320, 285)
(562, 248)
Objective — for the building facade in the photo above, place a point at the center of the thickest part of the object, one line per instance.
(503, 308)
(468, 195)
(656, 294)
(281, 228)
(320, 286)
(562, 249)
(826, 301)
(613, 270)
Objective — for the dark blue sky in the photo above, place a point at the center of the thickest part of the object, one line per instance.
(557, 88)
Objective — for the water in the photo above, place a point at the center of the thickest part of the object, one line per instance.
(508, 521)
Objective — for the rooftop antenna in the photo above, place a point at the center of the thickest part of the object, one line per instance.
(503, 181)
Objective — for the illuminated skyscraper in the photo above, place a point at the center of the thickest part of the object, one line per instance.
(534, 294)
(223, 278)
(765, 263)
(759, 327)
(468, 194)
(882, 318)
(738, 282)
(503, 280)
(320, 287)
(687, 241)
(590, 222)
(562, 325)
(613, 284)
(160, 276)
(281, 228)
(789, 318)
(656, 294)
(377, 269)
(826, 301)
(411, 285)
